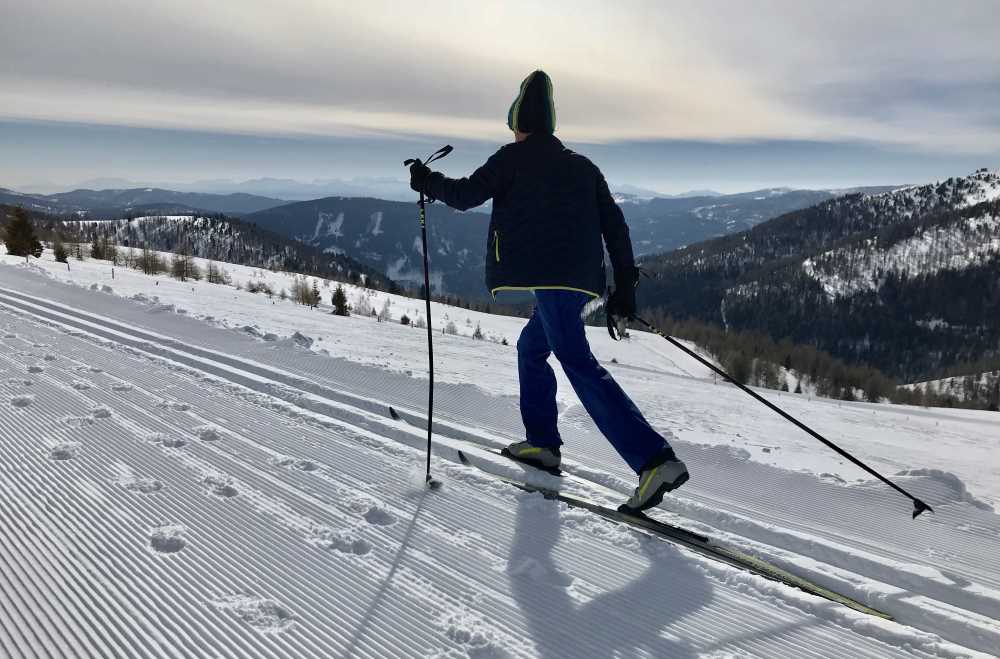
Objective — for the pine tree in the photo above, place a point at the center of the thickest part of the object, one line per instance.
(315, 299)
(20, 236)
(478, 333)
(339, 301)
(59, 249)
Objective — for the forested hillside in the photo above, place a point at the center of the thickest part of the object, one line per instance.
(903, 281)
(226, 239)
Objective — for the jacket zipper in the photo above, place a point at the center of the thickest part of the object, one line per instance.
(496, 244)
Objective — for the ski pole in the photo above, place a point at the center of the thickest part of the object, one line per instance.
(437, 155)
(918, 505)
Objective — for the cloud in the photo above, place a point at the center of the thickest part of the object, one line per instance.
(923, 76)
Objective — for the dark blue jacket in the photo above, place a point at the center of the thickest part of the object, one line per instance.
(551, 208)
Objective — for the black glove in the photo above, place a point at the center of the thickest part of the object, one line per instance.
(621, 302)
(418, 175)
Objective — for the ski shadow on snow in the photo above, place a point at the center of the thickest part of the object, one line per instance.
(669, 589)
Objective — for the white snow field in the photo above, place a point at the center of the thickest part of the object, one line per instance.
(173, 487)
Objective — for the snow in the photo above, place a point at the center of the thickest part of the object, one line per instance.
(229, 484)
(333, 227)
(961, 386)
(375, 226)
(845, 271)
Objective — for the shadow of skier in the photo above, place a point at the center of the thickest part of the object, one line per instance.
(634, 620)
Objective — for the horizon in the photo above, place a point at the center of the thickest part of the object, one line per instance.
(661, 96)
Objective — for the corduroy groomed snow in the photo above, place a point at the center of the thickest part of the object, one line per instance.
(533, 111)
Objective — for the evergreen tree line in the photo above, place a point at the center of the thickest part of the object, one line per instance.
(753, 358)
(220, 238)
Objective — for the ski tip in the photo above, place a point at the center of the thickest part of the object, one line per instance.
(463, 458)
(393, 413)
(919, 507)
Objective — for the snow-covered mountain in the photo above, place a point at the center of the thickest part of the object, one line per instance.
(385, 235)
(903, 280)
(661, 224)
(658, 223)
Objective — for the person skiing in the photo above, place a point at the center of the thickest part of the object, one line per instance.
(552, 215)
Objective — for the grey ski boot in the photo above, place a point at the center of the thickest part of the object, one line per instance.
(656, 480)
(547, 458)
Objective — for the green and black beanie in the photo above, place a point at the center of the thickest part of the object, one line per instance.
(533, 111)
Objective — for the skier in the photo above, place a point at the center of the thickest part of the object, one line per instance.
(551, 209)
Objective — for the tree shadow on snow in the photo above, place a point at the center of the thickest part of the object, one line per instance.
(637, 619)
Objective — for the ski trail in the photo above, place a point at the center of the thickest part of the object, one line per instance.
(443, 600)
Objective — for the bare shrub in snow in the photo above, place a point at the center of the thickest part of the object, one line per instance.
(362, 304)
(385, 314)
(215, 274)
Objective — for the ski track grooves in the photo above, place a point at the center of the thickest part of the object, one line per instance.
(310, 494)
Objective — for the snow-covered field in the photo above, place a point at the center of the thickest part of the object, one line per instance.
(181, 488)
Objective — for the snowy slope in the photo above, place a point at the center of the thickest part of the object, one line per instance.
(969, 242)
(174, 488)
(975, 386)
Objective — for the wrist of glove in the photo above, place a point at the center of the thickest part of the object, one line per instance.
(419, 172)
(621, 303)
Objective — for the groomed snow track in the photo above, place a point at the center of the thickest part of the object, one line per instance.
(174, 490)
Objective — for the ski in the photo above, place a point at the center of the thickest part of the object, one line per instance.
(696, 542)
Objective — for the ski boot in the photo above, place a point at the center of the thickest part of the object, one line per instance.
(547, 458)
(663, 474)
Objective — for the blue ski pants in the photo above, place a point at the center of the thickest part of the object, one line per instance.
(556, 327)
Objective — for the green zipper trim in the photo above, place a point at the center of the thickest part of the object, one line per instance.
(496, 244)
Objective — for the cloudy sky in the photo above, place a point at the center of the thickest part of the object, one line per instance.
(673, 96)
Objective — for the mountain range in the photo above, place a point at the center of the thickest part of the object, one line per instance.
(118, 202)
(904, 280)
(381, 233)
(385, 234)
